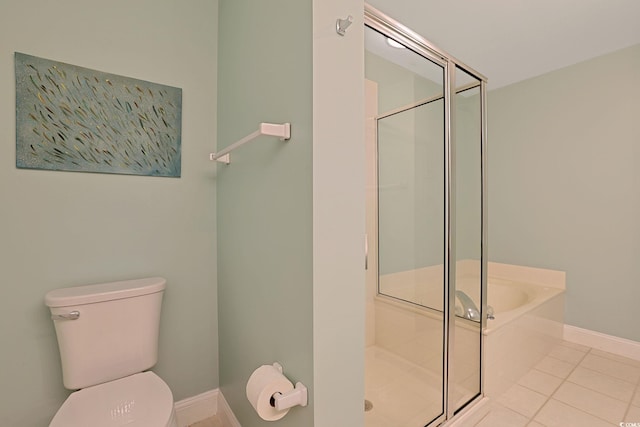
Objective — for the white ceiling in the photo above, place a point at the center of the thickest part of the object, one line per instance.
(513, 40)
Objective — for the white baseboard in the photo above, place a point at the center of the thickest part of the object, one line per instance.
(203, 406)
(197, 408)
(225, 413)
(609, 343)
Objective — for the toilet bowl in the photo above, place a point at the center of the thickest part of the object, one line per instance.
(140, 400)
(108, 340)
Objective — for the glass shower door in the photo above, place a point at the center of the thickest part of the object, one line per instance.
(426, 222)
(467, 147)
(405, 367)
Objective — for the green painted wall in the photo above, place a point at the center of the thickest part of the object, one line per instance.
(62, 229)
(265, 199)
(291, 214)
(564, 150)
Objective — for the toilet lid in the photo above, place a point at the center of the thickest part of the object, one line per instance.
(140, 400)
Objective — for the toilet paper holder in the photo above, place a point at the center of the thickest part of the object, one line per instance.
(297, 396)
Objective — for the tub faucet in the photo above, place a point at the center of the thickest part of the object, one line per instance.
(470, 311)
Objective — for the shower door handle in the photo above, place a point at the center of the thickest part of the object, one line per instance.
(366, 251)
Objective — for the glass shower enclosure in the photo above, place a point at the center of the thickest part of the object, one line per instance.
(426, 228)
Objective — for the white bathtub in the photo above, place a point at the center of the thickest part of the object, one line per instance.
(528, 323)
(511, 299)
(528, 304)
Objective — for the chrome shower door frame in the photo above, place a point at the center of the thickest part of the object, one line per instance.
(380, 22)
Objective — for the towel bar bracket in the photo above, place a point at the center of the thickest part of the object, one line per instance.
(282, 131)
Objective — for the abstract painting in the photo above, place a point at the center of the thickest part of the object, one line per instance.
(70, 118)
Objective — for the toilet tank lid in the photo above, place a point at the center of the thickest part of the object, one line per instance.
(102, 292)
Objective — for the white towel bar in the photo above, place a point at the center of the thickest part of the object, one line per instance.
(282, 131)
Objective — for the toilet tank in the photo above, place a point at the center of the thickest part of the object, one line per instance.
(115, 333)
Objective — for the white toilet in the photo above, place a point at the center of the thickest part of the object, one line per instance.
(108, 337)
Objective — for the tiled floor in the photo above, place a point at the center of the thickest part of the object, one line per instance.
(573, 386)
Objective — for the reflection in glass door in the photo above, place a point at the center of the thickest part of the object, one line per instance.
(409, 341)
(467, 143)
(424, 117)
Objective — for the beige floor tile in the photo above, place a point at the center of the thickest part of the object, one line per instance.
(576, 346)
(556, 367)
(522, 400)
(611, 367)
(588, 388)
(209, 422)
(616, 357)
(567, 354)
(558, 414)
(540, 381)
(605, 384)
(591, 402)
(633, 415)
(499, 416)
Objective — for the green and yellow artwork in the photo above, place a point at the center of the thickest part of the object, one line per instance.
(70, 118)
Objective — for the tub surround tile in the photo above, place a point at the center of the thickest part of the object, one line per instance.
(541, 382)
(591, 402)
(543, 277)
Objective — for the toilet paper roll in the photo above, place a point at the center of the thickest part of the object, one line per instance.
(262, 385)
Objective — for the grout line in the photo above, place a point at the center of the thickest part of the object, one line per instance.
(565, 379)
(633, 395)
(586, 388)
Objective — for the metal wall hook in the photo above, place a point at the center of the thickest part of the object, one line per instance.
(343, 24)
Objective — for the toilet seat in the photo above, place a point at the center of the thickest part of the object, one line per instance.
(139, 400)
